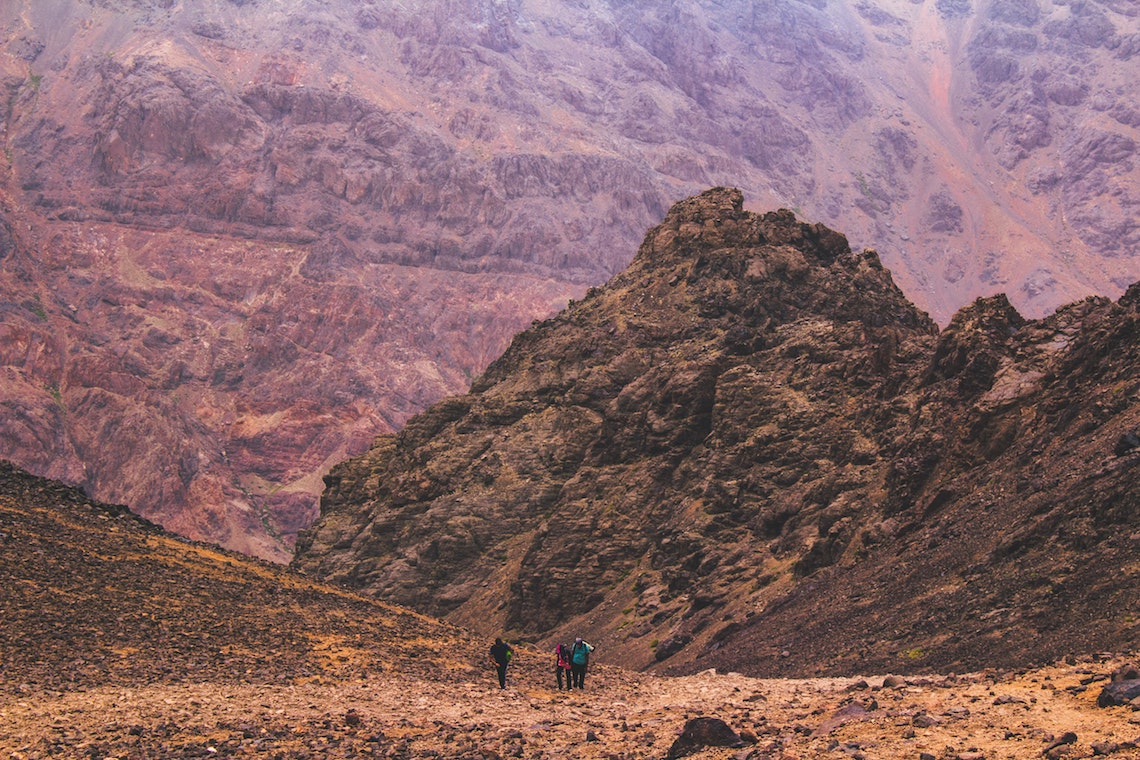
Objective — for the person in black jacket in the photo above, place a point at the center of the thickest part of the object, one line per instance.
(501, 654)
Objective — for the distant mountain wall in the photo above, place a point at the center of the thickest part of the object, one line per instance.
(239, 239)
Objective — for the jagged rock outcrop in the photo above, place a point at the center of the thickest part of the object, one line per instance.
(750, 450)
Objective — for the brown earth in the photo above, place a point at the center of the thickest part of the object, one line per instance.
(239, 239)
(750, 451)
(119, 640)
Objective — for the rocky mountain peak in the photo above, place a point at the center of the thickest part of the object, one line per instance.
(977, 334)
(716, 275)
(715, 223)
(716, 219)
(704, 449)
(1131, 297)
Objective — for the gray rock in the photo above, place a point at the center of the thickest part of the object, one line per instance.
(1127, 442)
(671, 646)
(704, 732)
(1119, 693)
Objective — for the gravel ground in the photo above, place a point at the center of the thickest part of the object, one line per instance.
(618, 715)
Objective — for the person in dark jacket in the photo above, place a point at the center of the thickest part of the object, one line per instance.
(501, 654)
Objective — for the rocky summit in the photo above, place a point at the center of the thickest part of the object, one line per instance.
(750, 451)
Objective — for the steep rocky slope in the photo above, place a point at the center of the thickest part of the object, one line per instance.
(238, 239)
(208, 382)
(749, 450)
(94, 596)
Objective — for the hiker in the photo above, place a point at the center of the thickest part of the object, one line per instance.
(501, 654)
(562, 664)
(579, 659)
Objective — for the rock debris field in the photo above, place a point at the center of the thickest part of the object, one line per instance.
(120, 641)
(1049, 712)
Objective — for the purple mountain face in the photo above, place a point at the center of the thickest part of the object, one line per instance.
(240, 239)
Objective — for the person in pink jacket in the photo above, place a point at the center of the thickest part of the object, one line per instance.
(562, 664)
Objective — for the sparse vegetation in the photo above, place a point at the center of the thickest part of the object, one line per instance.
(56, 395)
(37, 308)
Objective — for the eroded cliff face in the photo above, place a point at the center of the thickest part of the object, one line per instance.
(980, 147)
(208, 381)
(239, 239)
(695, 463)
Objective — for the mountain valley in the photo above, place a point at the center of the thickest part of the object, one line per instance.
(350, 304)
(121, 640)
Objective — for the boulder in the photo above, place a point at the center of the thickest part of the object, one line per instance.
(704, 732)
(1129, 672)
(1126, 443)
(671, 646)
(1119, 693)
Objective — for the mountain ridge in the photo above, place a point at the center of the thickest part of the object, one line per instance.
(749, 412)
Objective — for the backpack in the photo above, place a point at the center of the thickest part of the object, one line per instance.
(580, 654)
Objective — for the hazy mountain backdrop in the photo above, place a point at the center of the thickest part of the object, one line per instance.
(240, 238)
